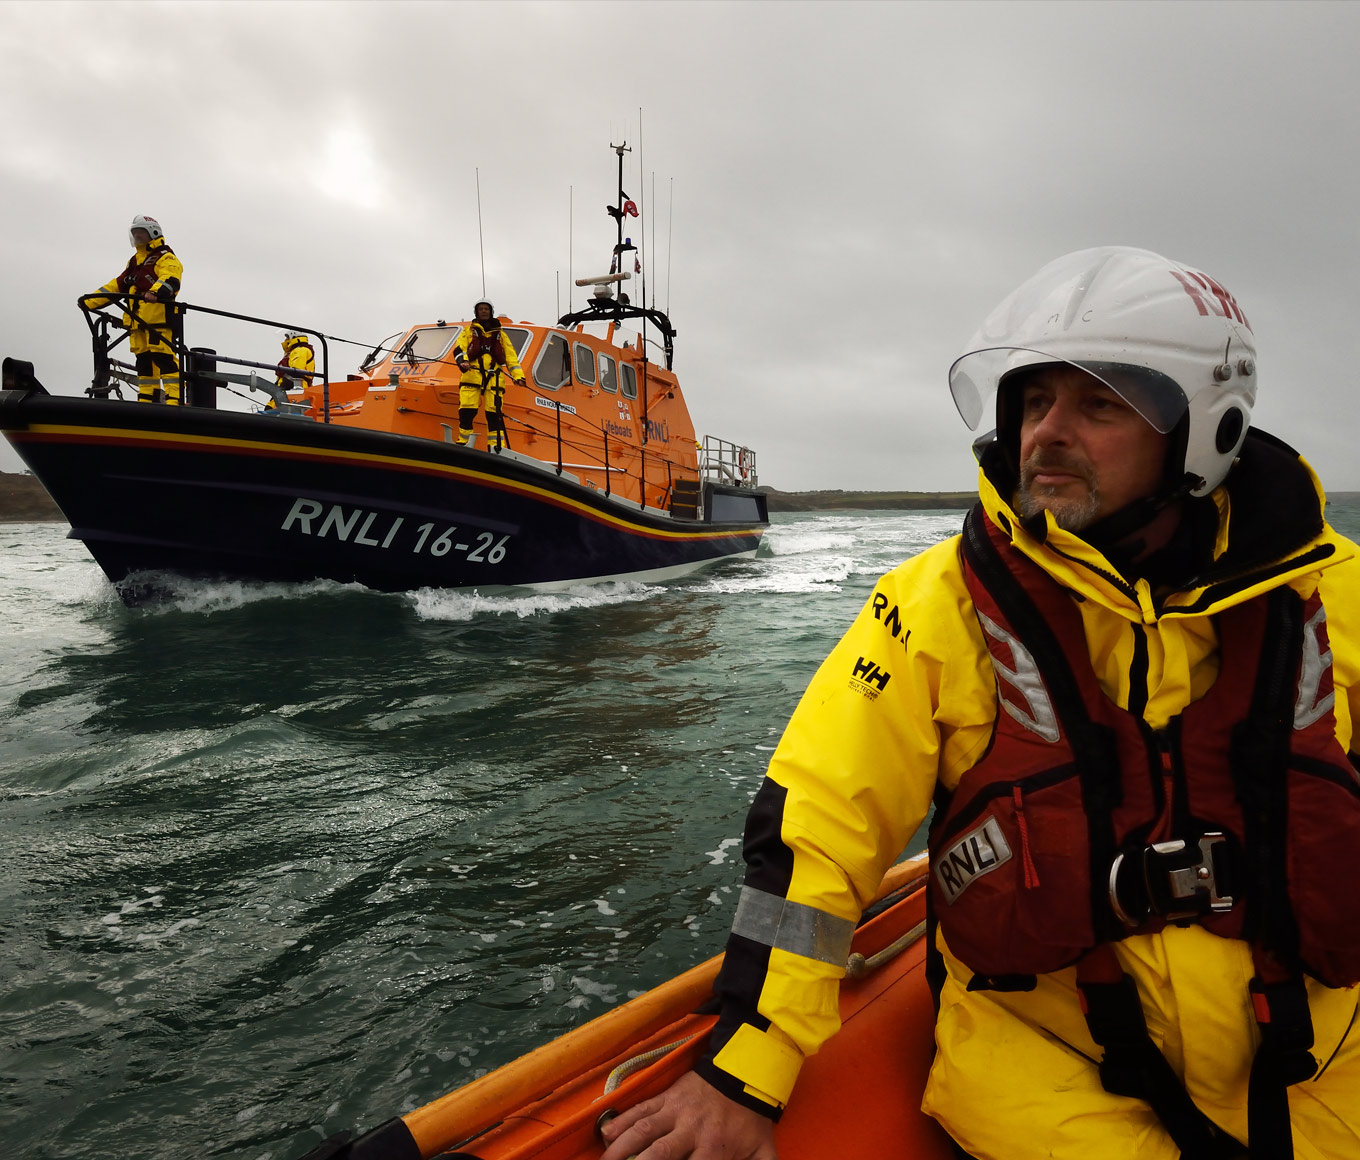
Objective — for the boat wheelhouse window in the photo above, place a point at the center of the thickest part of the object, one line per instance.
(553, 368)
(608, 381)
(380, 352)
(429, 344)
(519, 339)
(585, 365)
(629, 381)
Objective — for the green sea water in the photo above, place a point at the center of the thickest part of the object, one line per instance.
(280, 860)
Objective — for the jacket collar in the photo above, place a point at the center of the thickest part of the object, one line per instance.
(1270, 530)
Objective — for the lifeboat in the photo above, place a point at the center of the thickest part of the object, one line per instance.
(598, 475)
(859, 1096)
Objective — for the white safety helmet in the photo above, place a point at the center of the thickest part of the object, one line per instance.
(150, 224)
(289, 335)
(483, 302)
(1171, 341)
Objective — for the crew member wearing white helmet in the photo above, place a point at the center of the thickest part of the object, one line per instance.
(483, 352)
(1129, 688)
(151, 278)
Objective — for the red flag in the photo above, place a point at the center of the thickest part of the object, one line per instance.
(630, 208)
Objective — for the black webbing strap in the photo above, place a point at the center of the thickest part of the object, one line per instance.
(1284, 1057)
(1132, 1066)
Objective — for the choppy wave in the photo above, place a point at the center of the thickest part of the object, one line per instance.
(441, 604)
(308, 854)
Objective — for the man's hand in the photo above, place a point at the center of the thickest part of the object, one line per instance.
(690, 1119)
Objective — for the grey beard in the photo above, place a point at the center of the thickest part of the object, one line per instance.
(1070, 515)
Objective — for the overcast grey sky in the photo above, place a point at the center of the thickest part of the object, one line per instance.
(855, 185)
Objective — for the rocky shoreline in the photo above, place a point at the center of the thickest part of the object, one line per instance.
(24, 500)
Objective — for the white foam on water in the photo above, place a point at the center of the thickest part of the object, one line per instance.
(810, 572)
(207, 597)
(606, 992)
(459, 605)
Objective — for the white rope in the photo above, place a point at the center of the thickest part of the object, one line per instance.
(857, 966)
(628, 1066)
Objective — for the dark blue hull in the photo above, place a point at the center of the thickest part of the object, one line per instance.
(212, 493)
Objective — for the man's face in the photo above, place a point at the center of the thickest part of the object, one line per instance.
(141, 237)
(483, 312)
(1084, 452)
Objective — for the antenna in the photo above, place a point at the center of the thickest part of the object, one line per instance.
(670, 231)
(480, 246)
(642, 178)
(558, 279)
(571, 224)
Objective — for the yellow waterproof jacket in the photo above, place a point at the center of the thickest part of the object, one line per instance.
(298, 354)
(906, 701)
(484, 368)
(147, 321)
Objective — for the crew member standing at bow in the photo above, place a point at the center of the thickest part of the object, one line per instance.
(1130, 689)
(152, 280)
(299, 355)
(482, 352)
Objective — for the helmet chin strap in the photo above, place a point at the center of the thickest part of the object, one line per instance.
(1120, 527)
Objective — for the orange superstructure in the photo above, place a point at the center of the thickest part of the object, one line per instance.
(624, 426)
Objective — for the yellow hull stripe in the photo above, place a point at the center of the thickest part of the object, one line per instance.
(63, 433)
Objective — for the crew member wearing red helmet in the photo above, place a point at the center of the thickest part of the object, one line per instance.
(151, 278)
(1130, 690)
(483, 351)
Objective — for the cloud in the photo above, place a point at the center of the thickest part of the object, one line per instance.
(841, 191)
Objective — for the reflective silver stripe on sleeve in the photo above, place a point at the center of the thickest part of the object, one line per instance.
(792, 926)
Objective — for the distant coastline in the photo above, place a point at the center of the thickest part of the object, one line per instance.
(24, 500)
(820, 501)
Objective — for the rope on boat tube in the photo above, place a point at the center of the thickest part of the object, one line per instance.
(857, 965)
(628, 1066)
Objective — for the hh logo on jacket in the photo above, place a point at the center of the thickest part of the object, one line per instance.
(869, 679)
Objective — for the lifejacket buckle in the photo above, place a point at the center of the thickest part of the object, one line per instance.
(1170, 880)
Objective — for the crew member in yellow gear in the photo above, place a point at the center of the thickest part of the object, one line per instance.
(483, 352)
(1130, 690)
(298, 354)
(152, 279)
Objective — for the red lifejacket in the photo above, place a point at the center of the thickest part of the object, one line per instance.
(142, 275)
(483, 344)
(1048, 847)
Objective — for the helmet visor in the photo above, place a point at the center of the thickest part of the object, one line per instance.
(974, 379)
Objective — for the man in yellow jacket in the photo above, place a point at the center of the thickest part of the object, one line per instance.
(483, 352)
(1129, 689)
(298, 354)
(152, 279)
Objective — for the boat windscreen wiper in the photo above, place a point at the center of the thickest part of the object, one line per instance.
(375, 355)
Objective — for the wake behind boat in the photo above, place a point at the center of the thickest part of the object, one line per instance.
(596, 474)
